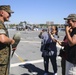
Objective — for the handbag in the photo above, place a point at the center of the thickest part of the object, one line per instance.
(47, 53)
(62, 53)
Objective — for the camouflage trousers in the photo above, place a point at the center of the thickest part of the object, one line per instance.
(3, 70)
(4, 62)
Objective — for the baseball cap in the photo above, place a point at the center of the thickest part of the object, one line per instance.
(7, 8)
(71, 17)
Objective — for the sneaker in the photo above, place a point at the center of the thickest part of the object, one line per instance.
(55, 73)
(45, 73)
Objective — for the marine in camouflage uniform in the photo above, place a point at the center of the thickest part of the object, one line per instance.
(4, 47)
(4, 52)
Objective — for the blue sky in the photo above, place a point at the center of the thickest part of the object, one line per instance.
(40, 11)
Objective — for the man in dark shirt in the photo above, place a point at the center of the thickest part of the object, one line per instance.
(71, 47)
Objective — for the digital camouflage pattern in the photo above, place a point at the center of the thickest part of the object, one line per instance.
(6, 8)
(4, 53)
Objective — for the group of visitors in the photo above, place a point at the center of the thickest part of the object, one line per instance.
(49, 49)
(48, 45)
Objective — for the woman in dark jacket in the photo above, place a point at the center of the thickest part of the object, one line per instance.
(49, 49)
